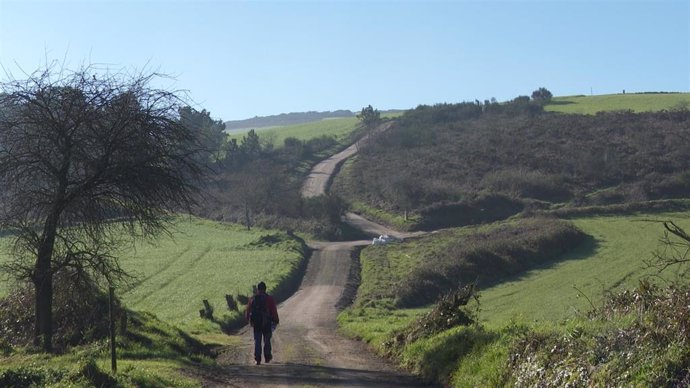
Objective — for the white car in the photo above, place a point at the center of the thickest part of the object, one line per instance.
(383, 239)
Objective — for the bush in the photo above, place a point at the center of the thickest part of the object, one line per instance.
(524, 183)
(30, 377)
(483, 209)
(633, 333)
(449, 311)
(80, 314)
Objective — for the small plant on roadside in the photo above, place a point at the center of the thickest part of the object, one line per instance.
(450, 311)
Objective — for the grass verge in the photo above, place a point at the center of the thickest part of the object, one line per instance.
(150, 354)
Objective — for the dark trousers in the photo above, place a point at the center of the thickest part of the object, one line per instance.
(258, 335)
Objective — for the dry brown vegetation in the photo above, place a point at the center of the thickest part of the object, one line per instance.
(437, 157)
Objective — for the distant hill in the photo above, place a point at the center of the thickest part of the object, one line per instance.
(284, 119)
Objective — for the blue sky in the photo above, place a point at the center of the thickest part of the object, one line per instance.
(240, 59)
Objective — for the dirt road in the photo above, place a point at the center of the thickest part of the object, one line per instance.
(320, 176)
(308, 351)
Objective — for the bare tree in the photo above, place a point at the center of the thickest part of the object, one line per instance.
(84, 157)
(674, 249)
(258, 187)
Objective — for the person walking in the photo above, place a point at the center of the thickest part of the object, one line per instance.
(262, 315)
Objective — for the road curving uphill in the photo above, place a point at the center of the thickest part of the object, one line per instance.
(308, 351)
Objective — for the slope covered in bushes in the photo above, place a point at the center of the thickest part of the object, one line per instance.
(452, 155)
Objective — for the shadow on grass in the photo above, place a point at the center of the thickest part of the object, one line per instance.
(586, 249)
(439, 360)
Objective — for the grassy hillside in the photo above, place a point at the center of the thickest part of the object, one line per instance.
(644, 102)
(150, 355)
(538, 298)
(284, 119)
(338, 128)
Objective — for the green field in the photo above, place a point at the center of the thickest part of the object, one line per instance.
(338, 128)
(201, 260)
(611, 102)
(617, 259)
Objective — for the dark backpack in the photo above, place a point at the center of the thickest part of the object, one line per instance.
(260, 317)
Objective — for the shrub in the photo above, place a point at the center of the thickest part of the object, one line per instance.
(80, 314)
(633, 333)
(29, 377)
(483, 209)
(449, 311)
(524, 183)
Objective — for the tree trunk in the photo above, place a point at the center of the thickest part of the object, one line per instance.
(43, 329)
(43, 284)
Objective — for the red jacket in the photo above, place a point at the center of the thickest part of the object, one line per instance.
(270, 304)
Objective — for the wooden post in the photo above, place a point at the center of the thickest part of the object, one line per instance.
(113, 358)
(208, 310)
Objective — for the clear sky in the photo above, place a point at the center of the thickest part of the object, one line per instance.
(240, 59)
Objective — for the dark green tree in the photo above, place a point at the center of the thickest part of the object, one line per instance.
(369, 116)
(542, 95)
(250, 145)
(209, 133)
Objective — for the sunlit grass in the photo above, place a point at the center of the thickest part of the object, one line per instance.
(338, 128)
(200, 260)
(557, 291)
(611, 102)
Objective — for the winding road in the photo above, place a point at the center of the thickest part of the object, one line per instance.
(308, 351)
